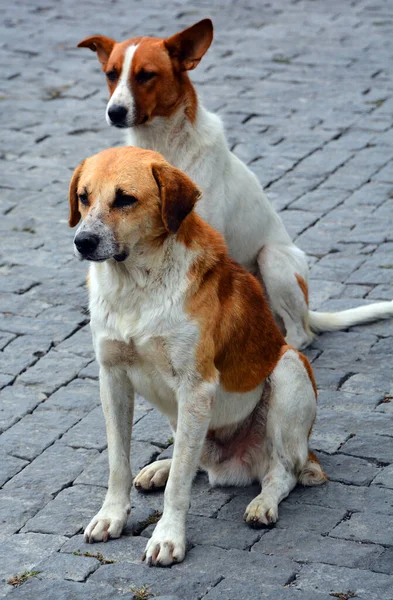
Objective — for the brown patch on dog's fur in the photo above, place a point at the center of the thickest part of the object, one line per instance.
(75, 214)
(239, 339)
(113, 353)
(303, 286)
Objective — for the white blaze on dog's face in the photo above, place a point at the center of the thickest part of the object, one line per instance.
(124, 197)
(147, 76)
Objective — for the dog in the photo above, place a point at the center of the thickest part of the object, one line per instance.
(177, 320)
(152, 96)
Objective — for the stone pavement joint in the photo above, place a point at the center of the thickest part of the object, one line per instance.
(305, 91)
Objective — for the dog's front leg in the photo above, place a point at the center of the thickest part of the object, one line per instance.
(168, 542)
(117, 397)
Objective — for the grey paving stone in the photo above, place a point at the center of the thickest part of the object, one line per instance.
(384, 477)
(21, 552)
(67, 566)
(328, 379)
(126, 549)
(65, 590)
(377, 447)
(62, 366)
(10, 466)
(79, 398)
(35, 432)
(218, 532)
(23, 325)
(23, 352)
(5, 338)
(350, 470)
(381, 564)
(90, 371)
(291, 514)
(68, 513)
(206, 501)
(97, 473)
(17, 506)
(370, 382)
(350, 426)
(276, 570)
(337, 495)
(366, 527)
(232, 589)
(89, 432)
(80, 343)
(303, 546)
(126, 576)
(17, 401)
(6, 380)
(348, 403)
(56, 468)
(329, 579)
(195, 574)
(153, 427)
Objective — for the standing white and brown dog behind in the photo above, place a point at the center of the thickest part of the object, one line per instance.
(152, 96)
(175, 319)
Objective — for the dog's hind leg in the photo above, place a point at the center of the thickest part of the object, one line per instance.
(284, 457)
(154, 476)
(284, 272)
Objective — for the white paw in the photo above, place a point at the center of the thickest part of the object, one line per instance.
(261, 511)
(153, 476)
(166, 547)
(108, 523)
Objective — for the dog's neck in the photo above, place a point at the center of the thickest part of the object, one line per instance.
(182, 141)
(163, 266)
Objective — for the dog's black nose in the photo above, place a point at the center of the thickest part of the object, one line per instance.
(86, 243)
(117, 114)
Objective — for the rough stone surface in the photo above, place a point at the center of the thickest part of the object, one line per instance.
(304, 90)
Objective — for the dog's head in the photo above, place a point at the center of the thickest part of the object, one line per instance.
(124, 196)
(147, 77)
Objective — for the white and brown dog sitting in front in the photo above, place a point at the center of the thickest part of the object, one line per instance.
(151, 95)
(175, 319)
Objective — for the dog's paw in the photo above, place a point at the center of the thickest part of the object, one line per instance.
(107, 524)
(153, 476)
(166, 547)
(261, 511)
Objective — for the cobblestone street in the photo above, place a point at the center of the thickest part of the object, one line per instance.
(305, 90)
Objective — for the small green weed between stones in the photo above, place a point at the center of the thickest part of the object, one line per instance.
(343, 595)
(151, 520)
(98, 556)
(279, 58)
(18, 580)
(141, 593)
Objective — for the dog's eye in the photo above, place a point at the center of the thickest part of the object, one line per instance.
(83, 199)
(145, 76)
(112, 75)
(123, 200)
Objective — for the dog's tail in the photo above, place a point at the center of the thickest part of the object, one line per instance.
(312, 472)
(324, 321)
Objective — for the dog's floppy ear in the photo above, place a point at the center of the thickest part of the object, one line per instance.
(178, 195)
(73, 197)
(188, 46)
(100, 44)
